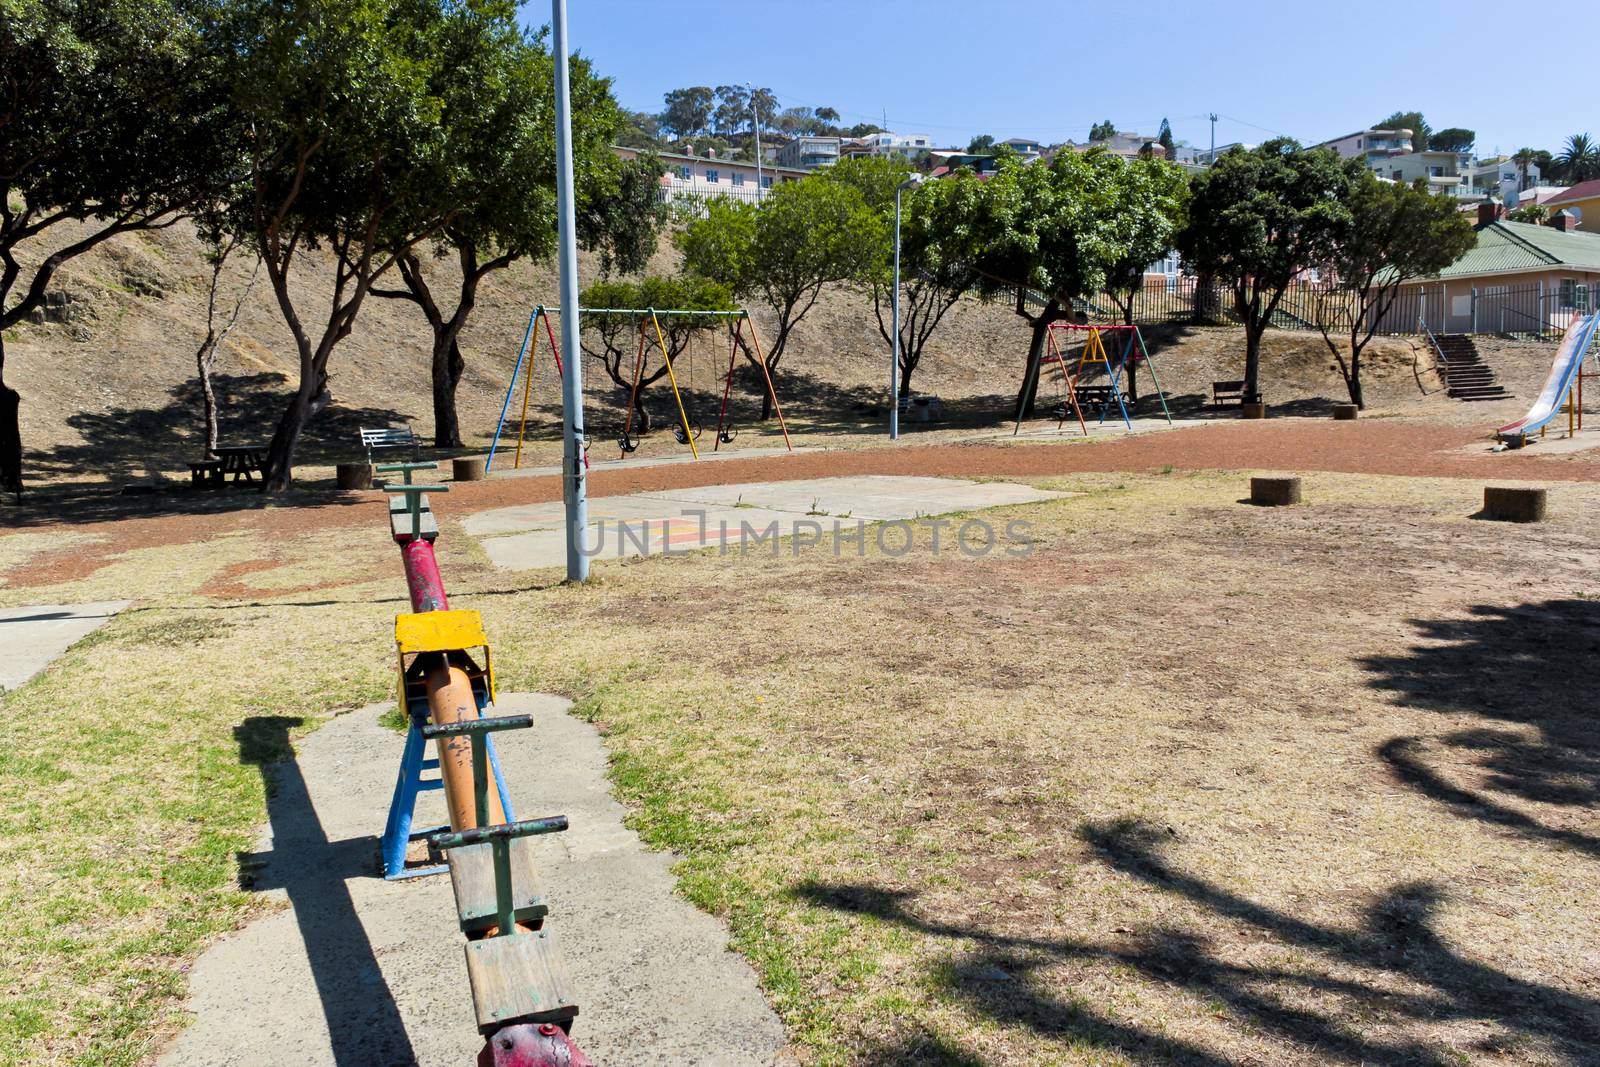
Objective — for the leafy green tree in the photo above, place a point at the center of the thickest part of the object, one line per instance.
(1055, 229)
(801, 237)
(1152, 193)
(1164, 139)
(1410, 120)
(688, 111)
(763, 105)
(1537, 214)
(981, 144)
(1258, 219)
(942, 237)
(733, 109)
(1397, 233)
(502, 116)
(1102, 131)
(640, 130)
(1579, 159)
(109, 123)
(358, 145)
(829, 118)
(1452, 139)
(613, 340)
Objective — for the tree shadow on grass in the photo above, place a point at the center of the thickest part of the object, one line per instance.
(1521, 667)
(1315, 1010)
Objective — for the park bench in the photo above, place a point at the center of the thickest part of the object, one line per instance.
(1098, 396)
(1227, 393)
(393, 437)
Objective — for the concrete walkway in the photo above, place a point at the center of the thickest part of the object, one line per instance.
(359, 971)
(32, 637)
(531, 535)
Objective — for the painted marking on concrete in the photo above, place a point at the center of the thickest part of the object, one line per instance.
(32, 637)
(530, 536)
(357, 970)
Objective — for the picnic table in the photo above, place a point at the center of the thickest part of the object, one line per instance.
(242, 461)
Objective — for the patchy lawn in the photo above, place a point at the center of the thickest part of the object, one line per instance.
(1193, 782)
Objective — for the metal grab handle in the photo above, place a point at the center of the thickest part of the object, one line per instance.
(448, 839)
(477, 726)
(406, 469)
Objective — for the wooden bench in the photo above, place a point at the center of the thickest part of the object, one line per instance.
(1227, 393)
(206, 472)
(393, 437)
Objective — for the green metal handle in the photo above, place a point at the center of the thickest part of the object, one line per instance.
(477, 726)
(448, 839)
(405, 469)
(408, 488)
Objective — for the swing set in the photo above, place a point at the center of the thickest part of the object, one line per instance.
(1074, 393)
(651, 335)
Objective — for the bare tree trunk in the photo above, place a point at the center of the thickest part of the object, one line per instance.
(1133, 352)
(1040, 330)
(204, 358)
(448, 367)
(306, 404)
(1252, 359)
(10, 432)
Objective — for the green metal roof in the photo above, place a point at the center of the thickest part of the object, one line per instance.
(1507, 247)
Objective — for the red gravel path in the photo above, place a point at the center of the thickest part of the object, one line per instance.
(1384, 447)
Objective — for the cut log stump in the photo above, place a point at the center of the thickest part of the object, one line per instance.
(1504, 504)
(1345, 412)
(355, 475)
(1252, 411)
(469, 468)
(1274, 492)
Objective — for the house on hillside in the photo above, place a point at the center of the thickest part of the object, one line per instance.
(1441, 170)
(884, 143)
(1374, 147)
(1520, 279)
(1024, 147)
(808, 153)
(698, 177)
(1583, 200)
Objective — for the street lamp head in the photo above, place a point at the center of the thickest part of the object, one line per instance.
(911, 179)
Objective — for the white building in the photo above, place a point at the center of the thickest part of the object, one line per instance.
(699, 177)
(905, 145)
(808, 153)
(1373, 146)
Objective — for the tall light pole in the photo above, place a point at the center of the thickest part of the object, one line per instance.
(894, 355)
(1213, 160)
(574, 492)
(755, 117)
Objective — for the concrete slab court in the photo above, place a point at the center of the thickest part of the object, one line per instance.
(529, 536)
(359, 971)
(31, 637)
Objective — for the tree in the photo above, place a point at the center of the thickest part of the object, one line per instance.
(219, 249)
(1258, 219)
(981, 144)
(1396, 233)
(1579, 159)
(1525, 159)
(1452, 139)
(800, 237)
(1413, 121)
(1102, 131)
(688, 111)
(613, 340)
(357, 145)
(109, 123)
(1152, 193)
(830, 118)
(1164, 139)
(1054, 229)
(640, 129)
(942, 237)
(1537, 214)
(505, 183)
(763, 105)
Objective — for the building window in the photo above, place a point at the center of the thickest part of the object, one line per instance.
(766, 181)
(685, 173)
(738, 177)
(711, 174)
(1569, 294)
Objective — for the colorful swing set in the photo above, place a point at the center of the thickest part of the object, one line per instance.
(650, 334)
(1095, 354)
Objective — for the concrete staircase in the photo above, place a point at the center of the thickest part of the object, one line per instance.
(1466, 376)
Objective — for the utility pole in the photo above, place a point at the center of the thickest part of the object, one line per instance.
(1213, 158)
(755, 115)
(574, 491)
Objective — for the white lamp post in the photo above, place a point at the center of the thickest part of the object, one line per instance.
(574, 490)
(894, 357)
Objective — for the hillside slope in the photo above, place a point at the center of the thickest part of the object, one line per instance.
(109, 392)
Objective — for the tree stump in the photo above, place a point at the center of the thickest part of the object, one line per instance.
(1274, 492)
(1255, 410)
(1345, 412)
(1504, 504)
(469, 468)
(354, 475)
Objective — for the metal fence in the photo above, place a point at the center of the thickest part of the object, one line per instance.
(1527, 311)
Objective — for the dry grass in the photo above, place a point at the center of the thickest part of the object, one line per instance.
(1192, 783)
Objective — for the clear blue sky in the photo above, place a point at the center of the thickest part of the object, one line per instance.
(1030, 68)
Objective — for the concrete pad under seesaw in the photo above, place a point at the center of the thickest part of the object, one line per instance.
(32, 637)
(531, 535)
(357, 970)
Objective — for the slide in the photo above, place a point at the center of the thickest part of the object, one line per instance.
(1569, 361)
